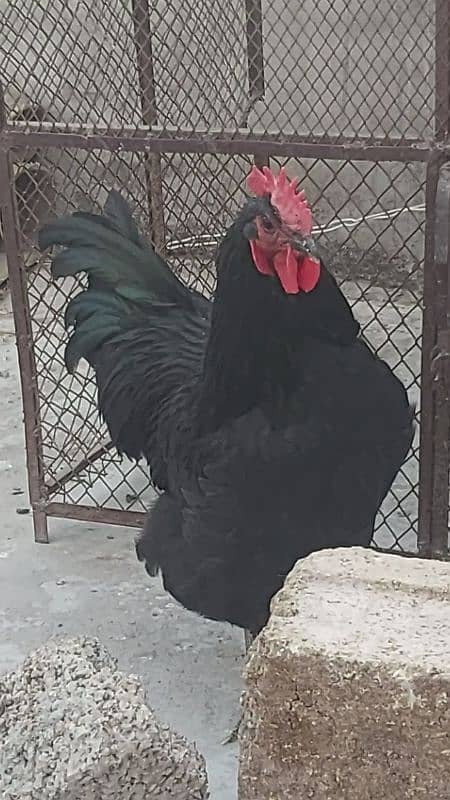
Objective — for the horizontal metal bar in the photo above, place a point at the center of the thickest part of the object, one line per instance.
(109, 516)
(388, 551)
(226, 142)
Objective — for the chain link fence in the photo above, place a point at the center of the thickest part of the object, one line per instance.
(171, 102)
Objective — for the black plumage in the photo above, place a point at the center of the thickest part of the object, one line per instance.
(269, 425)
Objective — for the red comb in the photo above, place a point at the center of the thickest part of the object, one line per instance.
(291, 205)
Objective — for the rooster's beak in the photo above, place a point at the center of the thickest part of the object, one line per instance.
(305, 245)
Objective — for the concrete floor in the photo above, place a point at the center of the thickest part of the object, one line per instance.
(87, 581)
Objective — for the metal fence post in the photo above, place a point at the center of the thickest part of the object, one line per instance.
(435, 411)
(439, 370)
(144, 60)
(442, 68)
(24, 336)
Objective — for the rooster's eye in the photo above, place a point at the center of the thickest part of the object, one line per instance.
(267, 224)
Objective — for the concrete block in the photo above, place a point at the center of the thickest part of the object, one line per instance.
(347, 688)
(72, 727)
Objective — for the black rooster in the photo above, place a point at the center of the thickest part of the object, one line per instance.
(270, 426)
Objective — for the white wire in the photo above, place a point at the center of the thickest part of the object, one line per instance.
(211, 239)
(351, 222)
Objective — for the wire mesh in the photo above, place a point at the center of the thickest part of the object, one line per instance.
(349, 68)
(328, 70)
(79, 60)
(335, 67)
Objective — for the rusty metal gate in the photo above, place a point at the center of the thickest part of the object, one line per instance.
(171, 102)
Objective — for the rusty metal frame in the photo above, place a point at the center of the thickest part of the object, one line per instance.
(434, 462)
(439, 369)
(24, 338)
(154, 141)
(144, 57)
(230, 142)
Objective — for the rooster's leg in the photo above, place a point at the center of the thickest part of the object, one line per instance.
(234, 733)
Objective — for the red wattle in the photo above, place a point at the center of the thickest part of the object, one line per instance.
(308, 274)
(286, 266)
(295, 273)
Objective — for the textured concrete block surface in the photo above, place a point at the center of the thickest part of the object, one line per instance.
(347, 687)
(72, 727)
